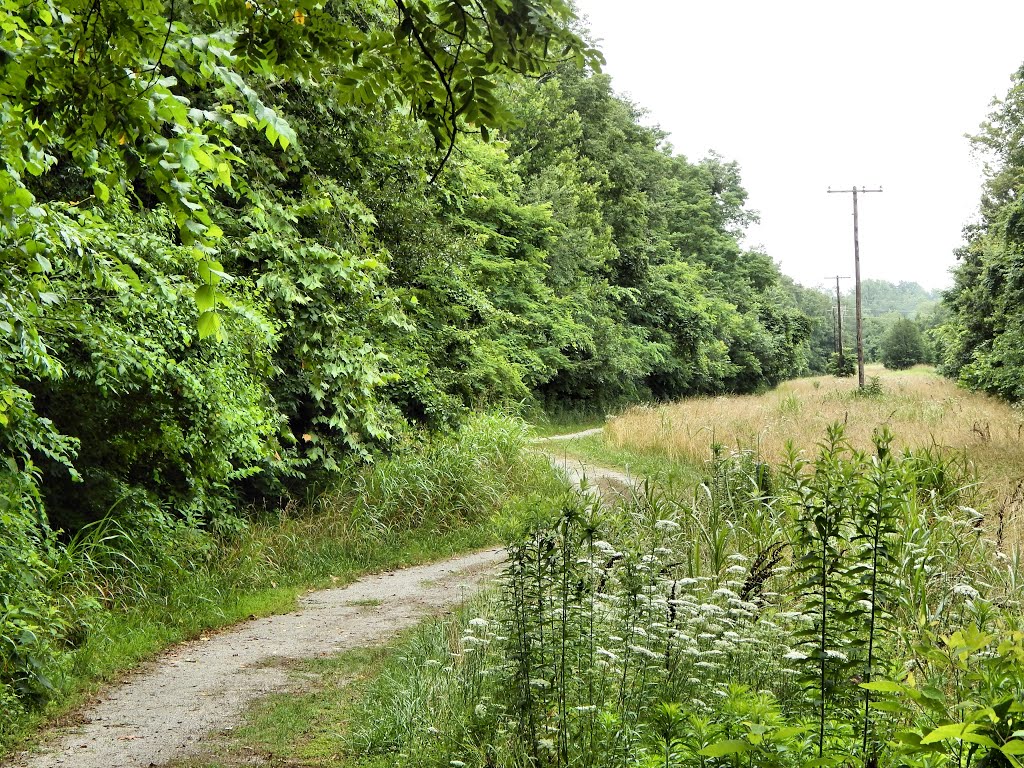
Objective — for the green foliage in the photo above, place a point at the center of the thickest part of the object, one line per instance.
(981, 341)
(121, 587)
(841, 610)
(903, 346)
(234, 271)
(843, 365)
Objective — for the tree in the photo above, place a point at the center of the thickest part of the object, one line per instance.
(903, 345)
(982, 340)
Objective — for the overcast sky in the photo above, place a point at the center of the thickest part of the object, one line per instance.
(807, 95)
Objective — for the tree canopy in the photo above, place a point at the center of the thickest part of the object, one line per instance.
(983, 339)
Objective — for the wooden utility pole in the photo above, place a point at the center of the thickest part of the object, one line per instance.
(839, 320)
(856, 276)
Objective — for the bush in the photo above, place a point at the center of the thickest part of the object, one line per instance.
(903, 346)
(842, 365)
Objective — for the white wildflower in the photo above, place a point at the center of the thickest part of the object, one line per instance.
(642, 651)
(478, 622)
(794, 656)
(966, 590)
(667, 525)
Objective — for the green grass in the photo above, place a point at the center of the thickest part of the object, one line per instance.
(306, 728)
(363, 708)
(594, 450)
(463, 692)
(424, 505)
(206, 601)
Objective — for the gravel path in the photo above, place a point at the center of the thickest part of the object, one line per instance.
(598, 480)
(166, 710)
(570, 436)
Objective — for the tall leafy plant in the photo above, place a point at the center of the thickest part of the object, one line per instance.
(825, 494)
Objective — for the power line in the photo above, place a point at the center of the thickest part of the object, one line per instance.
(856, 272)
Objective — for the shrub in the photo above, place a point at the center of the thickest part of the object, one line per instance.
(842, 365)
(903, 346)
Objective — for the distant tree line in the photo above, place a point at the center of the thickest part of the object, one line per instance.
(887, 307)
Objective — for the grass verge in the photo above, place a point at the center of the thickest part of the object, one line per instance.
(366, 708)
(436, 501)
(595, 450)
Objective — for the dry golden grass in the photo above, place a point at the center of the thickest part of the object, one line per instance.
(920, 407)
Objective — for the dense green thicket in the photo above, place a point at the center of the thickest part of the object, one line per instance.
(983, 339)
(247, 244)
(903, 346)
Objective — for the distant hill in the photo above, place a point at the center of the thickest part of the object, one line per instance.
(880, 297)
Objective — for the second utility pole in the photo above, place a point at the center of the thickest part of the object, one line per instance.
(839, 321)
(856, 277)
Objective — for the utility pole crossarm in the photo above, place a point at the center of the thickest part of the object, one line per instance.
(856, 272)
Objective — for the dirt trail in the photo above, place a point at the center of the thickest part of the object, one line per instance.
(166, 710)
(598, 480)
(571, 436)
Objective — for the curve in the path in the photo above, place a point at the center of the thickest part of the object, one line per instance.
(571, 436)
(592, 479)
(201, 687)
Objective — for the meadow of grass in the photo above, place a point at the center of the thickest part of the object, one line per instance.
(149, 589)
(921, 408)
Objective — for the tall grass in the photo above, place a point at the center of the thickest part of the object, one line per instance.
(134, 585)
(842, 608)
(922, 409)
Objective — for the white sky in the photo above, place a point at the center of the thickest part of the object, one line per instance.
(810, 94)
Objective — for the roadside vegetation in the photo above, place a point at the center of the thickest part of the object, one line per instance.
(266, 266)
(923, 410)
(118, 593)
(831, 606)
(253, 250)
